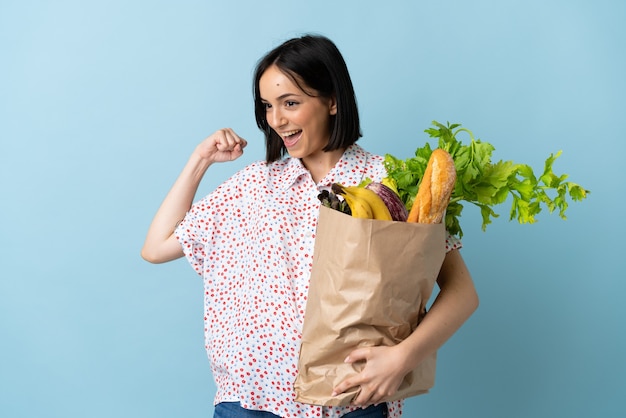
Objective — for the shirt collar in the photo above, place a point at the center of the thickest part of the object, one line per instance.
(349, 170)
(294, 169)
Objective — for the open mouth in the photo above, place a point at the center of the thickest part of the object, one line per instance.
(291, 137)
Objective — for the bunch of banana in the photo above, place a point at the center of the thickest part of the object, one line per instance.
(363, 203)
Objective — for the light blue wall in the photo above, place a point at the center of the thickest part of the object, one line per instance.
(101, 102)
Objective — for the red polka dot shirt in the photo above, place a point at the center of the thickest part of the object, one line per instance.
(252, 242)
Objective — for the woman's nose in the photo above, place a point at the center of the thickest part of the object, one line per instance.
(277, 119)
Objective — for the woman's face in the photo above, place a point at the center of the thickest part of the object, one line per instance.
(301, 120)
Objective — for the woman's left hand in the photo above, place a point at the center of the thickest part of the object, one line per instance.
(380, 378)
(385, 367)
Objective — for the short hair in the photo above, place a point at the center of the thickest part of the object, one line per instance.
(315, 61)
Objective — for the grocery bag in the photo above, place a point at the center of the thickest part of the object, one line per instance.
(370, 283)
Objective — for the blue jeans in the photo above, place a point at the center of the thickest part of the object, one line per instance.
(234, 410)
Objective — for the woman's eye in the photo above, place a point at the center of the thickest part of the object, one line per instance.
(267, 106)
(290, 103)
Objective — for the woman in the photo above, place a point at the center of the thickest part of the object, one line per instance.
(252, 241)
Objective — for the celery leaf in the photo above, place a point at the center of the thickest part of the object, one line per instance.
(484, 183)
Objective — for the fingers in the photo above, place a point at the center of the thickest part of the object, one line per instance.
(360, 354)
(378, 380)
(223, 145)
(368, 394)
(368, 397)
(227, 140)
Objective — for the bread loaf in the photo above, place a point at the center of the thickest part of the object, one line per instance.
(435, 189)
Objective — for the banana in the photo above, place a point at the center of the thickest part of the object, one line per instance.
(363, 202)
(379, 208)
(359, 207)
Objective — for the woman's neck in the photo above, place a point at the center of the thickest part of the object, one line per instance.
(320, 165)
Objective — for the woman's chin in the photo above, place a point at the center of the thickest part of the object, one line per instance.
(294, 150)
(293, 153)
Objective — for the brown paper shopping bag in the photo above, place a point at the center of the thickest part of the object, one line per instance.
(370, 283)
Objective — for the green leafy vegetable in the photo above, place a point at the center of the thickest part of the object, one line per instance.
(484, 183)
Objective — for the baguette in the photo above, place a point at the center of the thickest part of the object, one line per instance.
(435, 189)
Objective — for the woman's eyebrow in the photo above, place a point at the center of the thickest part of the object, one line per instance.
(286, 95)
(282, 97)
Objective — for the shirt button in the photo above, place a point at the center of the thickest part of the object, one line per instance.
(308, 234)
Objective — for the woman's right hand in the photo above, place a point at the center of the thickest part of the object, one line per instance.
(223, 145)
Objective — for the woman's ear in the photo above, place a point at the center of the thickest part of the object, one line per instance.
(333, 105)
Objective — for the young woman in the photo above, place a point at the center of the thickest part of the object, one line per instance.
(252, 241)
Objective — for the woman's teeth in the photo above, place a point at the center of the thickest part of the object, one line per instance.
(286, 135)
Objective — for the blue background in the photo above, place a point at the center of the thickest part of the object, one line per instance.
(101, 103)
